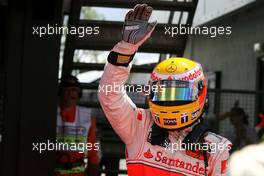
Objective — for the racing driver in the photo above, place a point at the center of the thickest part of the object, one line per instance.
(160, 140)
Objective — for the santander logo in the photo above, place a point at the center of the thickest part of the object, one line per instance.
(148, 154)
(154, 77)
(192, 76)
(189, 76)
(175, 162)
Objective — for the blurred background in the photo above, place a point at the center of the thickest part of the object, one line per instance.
(30, 68)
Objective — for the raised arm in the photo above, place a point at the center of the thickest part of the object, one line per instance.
(118, 107)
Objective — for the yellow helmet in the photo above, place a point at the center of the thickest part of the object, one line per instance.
(178, 93)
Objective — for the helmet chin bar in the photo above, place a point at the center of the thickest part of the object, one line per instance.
(194, 123)
(199, 120)
(176, 117)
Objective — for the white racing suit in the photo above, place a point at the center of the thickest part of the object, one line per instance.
(133, 125)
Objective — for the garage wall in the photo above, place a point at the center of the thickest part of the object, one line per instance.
(233, 54)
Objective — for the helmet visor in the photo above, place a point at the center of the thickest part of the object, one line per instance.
(173, 90)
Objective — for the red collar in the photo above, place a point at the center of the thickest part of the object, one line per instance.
(69, 115)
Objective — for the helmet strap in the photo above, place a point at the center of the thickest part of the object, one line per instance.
(158, 136)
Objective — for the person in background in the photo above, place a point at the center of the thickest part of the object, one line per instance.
(75, 127)
(241, 134)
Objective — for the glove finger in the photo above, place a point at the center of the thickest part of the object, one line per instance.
(140, 11)
(151, 27)
(129, 15)
(147, 13)
(136, 9)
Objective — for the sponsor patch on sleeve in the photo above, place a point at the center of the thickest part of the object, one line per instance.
(123, 59)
